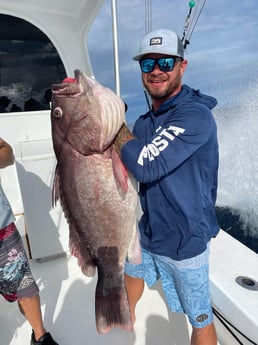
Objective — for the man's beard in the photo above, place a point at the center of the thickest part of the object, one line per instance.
(159, 95)
(167, 93)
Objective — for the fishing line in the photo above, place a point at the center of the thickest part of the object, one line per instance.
(199, 13)
(147, 99)
(187, 24)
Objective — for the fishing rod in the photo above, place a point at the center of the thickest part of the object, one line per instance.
(191, 20)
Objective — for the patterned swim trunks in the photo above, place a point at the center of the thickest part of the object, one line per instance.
(185, 283)
(16, 280)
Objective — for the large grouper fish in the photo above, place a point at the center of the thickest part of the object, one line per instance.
(97, 194)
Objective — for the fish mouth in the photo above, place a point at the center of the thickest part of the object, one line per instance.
(82, 79)
(73, 87)
(70, 87)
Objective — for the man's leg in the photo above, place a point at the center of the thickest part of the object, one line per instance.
(204, 336)
(30, 308)
(134, 287)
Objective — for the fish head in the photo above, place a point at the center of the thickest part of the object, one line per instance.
(85, 114)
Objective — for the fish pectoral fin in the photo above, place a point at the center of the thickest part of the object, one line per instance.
(78, 249)
(120, 171)
(56, 187)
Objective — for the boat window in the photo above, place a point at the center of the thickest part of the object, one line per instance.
(29, 65)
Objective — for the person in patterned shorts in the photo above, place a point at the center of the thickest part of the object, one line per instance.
(16, 280)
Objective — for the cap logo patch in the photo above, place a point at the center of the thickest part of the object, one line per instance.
(155, 40)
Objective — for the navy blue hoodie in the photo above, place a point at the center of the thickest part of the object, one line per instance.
(175, 159)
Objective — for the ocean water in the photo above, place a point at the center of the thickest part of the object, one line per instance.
(231, 221)
(237, 201)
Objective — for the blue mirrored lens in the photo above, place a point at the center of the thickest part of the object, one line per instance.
(165, 64)
(147, 65)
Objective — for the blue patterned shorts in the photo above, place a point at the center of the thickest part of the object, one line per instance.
(16, 280)
(185, 283)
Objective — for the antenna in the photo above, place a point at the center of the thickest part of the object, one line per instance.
(115, 47)
(148, 16)
(148, 28)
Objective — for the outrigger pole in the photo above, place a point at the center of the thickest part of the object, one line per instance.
(115, 47)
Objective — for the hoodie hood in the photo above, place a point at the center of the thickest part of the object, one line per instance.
(188, 95)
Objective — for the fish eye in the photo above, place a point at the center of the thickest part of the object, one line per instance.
(57, 113)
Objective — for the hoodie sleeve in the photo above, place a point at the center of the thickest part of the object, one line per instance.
(183, 133)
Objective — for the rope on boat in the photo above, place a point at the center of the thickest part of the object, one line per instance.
(226, 324)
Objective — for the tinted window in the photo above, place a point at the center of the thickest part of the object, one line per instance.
(29, 65)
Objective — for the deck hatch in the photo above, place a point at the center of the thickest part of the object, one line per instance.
(247, 283)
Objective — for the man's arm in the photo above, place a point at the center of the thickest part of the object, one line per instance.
(6, 154)
(123, 136)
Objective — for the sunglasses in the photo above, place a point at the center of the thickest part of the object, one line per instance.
(165, 64)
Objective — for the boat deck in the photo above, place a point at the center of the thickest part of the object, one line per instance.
(68, 299)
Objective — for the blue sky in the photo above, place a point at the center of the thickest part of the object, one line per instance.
(222, 55)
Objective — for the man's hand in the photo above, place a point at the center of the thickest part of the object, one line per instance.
(123, 136)
(6, 154)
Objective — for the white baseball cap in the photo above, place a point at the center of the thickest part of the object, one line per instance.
(161, 41)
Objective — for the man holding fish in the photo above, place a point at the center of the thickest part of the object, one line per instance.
(173, 154)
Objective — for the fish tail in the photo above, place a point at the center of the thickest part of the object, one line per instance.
(112, 306)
